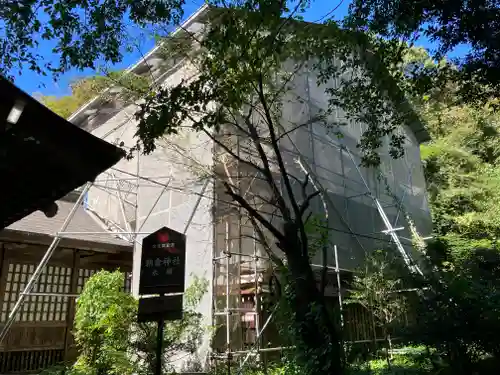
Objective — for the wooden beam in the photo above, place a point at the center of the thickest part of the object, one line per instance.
(94, 258)
(70, 317)
(4, 269)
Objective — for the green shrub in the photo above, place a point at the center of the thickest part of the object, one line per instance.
(410, 361)
(110, 340)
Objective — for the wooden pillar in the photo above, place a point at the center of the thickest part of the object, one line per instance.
(70, 318)
(4, 270)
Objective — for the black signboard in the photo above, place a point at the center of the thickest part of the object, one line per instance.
(160, 308)
(163, 262)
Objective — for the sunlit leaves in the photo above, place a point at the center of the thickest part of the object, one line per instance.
(130, 87)
(82, 33)
(103, 323)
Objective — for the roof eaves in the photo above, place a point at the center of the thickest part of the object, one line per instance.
(74, 118)
(44, 239)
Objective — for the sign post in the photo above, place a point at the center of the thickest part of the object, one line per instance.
(163, 266)
(159, 345)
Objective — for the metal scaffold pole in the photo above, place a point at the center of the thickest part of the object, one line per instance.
(390, 230)
(339, 287)
(228, 311)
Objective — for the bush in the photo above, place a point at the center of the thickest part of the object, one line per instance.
(410, 361)
(110, 340)
(103, 321)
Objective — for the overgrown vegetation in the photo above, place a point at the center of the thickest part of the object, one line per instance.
(452, 310)
(376, 287)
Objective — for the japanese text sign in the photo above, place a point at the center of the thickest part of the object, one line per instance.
(163, 262)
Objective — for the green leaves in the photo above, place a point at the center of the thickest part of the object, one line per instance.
(449, 24)
(102, 324)
(81, 32)
(131, 87)
(459, 309)
(110, 340)
(462, 169)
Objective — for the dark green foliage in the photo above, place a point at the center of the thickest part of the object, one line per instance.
(303, 358)
(81, 32)
(450, 23)
(453, 309)
(458, 313)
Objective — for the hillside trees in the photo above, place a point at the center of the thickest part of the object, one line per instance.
(462, 164)
(455, 306)
(131, 86)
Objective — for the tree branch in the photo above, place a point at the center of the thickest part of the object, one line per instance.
(230, 152)
(252, 212)
(267, 169)
(281, 164)
(311, 121)
(306, 203)
(274, 142)
(263, 241)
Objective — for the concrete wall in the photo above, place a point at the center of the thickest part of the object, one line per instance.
(169, 202)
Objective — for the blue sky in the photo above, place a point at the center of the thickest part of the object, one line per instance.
(34, 83)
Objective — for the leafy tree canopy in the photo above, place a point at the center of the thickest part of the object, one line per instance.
(462, 162)
(82, 32)
(450, 23)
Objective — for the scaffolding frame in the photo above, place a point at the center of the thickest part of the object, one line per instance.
(125, 231)
(389, 230)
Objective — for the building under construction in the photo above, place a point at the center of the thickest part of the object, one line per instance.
(178, 186)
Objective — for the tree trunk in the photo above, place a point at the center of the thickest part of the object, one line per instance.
(316, 331)
(389, 349)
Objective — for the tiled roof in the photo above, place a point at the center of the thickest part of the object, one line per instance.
(38, 223)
